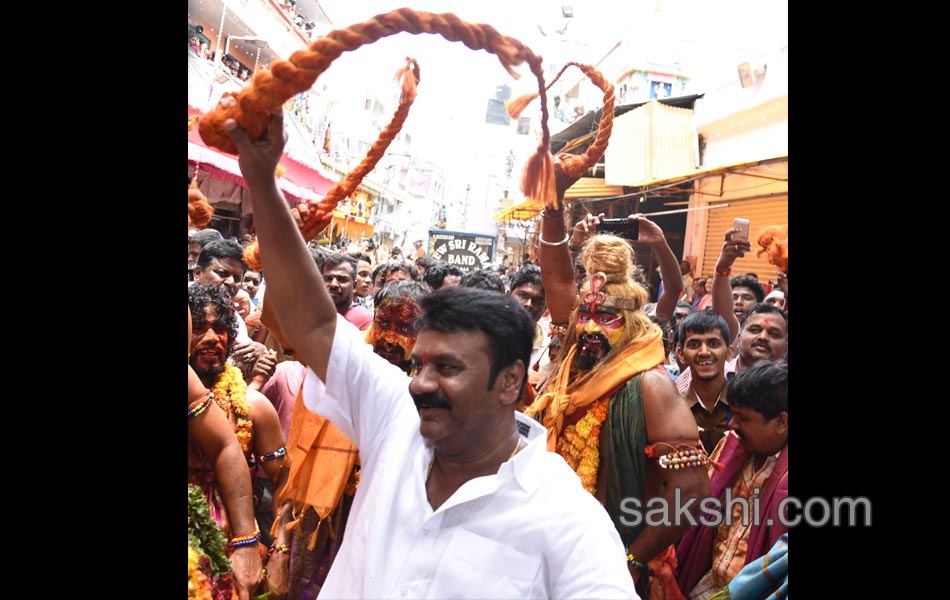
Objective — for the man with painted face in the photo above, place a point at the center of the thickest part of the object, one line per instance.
(392, 335)
(457, 491)
(754, 455)
(253, 418)
(610, 408)
(321, 453)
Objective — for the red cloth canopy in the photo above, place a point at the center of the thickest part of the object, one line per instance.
(299, 182)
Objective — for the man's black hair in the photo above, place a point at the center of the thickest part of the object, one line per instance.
(528, 273)
(702, 321)
(400, 290)
(203, 236)
(763, 387)
(484, 279)
(336, 259)
(222, 249)
(751, 282)
(436, 274)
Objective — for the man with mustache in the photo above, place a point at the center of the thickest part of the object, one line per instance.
(221, 262)
(253, 418)
(764, 336)
(754, 455)
(457, 492)
(316, 446)
(610, 407)
(340, 275)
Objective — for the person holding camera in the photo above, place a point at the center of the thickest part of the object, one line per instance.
(610, 381)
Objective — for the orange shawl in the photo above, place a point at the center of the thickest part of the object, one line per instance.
(563, 399)
(321, 460)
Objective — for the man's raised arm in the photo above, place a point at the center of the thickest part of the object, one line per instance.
(303, 307)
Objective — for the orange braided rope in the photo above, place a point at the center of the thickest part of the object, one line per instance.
(199, 209)
(269, 89)
(312, 217)
(311, 225)
(575, 165)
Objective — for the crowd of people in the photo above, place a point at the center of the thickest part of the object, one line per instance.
(200, 47)
(406, 428)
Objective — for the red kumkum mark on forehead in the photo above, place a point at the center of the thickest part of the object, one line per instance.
(425, 358)
(766, 322)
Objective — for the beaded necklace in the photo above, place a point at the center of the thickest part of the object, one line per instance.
(580, 444)
(230, 391)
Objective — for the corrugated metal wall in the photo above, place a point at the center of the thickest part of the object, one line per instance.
(763, 201)
(650, 142)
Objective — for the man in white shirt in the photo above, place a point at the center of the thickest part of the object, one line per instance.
(458, 495)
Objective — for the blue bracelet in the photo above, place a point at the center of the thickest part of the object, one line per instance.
(280, 452)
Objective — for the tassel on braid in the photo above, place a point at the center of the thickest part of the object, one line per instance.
(199, 209)
(572, 165)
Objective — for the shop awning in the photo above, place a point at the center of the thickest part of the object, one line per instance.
(689, 176)
(528, 209)
(300, 182)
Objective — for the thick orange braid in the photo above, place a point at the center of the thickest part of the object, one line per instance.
(313, 216)
(313, 224)
(269, 89)
(575, 165)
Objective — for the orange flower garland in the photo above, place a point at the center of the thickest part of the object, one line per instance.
(580, 444)
(230, 391)
(199, 588)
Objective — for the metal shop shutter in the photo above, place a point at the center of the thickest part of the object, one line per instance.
(761, 214)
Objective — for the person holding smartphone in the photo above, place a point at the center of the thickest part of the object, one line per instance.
(609, 378)
(735, 245)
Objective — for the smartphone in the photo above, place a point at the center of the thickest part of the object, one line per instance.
(622, 227)
(743, 233)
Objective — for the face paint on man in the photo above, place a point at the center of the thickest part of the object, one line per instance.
(209, 342)
(392, 335)
(597, 333)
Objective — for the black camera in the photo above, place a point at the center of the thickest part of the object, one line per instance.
(622, 227)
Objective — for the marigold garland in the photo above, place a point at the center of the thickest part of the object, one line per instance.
(199, 588)
(209, 570)
(579, 444)
(230, 391)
